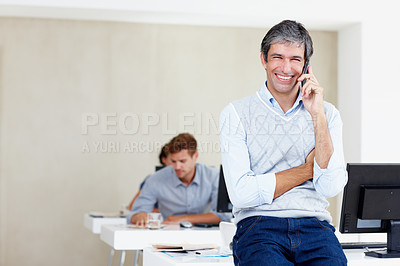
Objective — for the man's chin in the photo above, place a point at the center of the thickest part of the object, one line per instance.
(180, 174)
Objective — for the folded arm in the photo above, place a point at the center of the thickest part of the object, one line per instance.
(193, 218)
(288, 179)
(245, 188)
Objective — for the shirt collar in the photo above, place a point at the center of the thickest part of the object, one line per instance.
(196, 179)
(266, 95)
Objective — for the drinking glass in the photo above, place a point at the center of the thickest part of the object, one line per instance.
(154, 220)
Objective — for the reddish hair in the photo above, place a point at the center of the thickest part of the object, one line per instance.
(184, 141)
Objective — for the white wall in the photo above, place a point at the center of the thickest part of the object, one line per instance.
(368, 88)
(381, 89)
(350, 89)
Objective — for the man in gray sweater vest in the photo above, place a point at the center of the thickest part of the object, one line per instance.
(282, 156)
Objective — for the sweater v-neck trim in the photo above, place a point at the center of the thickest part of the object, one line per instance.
(287, 119)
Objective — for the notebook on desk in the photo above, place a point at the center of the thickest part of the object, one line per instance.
(183, 247)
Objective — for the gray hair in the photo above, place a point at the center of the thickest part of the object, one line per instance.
(288, 31)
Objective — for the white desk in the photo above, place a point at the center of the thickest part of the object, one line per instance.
(120, 237)
(94, 223)
(355, 257)
(154, 258)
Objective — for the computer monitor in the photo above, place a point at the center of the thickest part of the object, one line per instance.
(159, 167)
(223, 203)
(371, 204)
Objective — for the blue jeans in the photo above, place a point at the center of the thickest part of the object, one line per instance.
(263, 240)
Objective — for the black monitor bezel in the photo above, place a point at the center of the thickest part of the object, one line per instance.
(223, 202)
(365, 174)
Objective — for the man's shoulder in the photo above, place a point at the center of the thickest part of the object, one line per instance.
(240, 104)
(207, 170)
(161, 174)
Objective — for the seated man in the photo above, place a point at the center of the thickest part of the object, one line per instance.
(185, 191)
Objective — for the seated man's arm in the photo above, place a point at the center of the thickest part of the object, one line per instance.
(133, 200)
(143, 204)
(193, 218)
(245, 188)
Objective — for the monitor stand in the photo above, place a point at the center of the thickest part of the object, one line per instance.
(393, 242)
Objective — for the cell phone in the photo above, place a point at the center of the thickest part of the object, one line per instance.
(305, 71)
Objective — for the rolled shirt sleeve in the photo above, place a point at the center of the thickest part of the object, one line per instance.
(330, 181)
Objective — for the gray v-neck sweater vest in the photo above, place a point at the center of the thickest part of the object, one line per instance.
(276, 143)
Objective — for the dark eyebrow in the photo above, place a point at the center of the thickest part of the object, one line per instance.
(294, 57)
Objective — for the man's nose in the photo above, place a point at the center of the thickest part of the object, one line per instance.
(178, 165)
(286, 66)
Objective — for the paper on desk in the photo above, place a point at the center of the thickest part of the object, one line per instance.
(189, 255)
(183, 247)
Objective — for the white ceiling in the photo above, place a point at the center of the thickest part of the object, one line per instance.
(314, 14)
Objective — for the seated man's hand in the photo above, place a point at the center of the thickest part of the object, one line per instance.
(139, 219)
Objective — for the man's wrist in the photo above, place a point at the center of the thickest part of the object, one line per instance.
(318, 118)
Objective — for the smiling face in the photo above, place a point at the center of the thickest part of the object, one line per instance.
(284, 66)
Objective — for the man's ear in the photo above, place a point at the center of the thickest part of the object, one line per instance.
(195, 155)
(263, 61)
